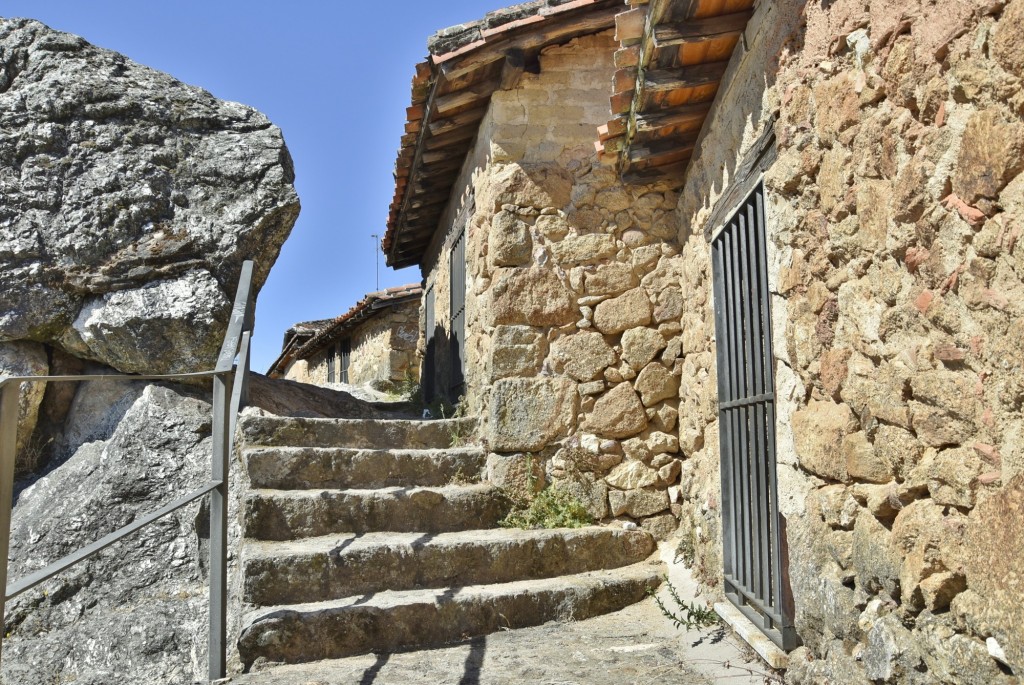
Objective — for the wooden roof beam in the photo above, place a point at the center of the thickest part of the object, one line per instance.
(512, 70)
(451, 137)
(663, 151)
(683, 115)
(662, 80)
(461, 98)
(629, 25)
(554, 29)
(470, 116)
(701, 30)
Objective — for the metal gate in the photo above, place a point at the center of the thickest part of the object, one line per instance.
(756, 577)
(429, 363)
(345, 357)
(457, 291)
(331, 377)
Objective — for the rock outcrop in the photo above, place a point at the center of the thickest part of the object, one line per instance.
(138, 608)
(128, 201)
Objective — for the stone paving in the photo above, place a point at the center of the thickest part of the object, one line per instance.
(634, 646)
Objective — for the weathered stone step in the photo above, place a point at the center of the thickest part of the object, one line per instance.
(288, 468)
(332, 567)
(418, 618)
(290, 514)
(270, 431)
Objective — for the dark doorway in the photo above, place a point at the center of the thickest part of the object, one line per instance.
(457, 292)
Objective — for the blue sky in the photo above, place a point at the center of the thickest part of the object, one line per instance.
(334, 75)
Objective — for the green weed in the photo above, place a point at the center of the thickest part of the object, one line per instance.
(690, 614)
(550, 508)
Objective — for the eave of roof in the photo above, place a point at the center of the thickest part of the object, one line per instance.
(450, 94)
(672, 58)
(366, 308)
(294, 338)
(671, 62)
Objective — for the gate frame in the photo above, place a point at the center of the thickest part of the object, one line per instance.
(755, 566)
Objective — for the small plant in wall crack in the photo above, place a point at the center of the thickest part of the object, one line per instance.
(688, 615)
(550, 508)
(455, 435)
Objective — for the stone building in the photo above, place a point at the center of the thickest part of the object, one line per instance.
(373, 342)
(776, 299)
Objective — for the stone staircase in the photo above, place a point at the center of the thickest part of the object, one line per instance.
(373, 535)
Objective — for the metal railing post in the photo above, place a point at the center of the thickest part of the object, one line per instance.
(219, 525)
(8, 448)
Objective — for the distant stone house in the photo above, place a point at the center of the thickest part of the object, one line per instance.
(774, 297)
(373, 342)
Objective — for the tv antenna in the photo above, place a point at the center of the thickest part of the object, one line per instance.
(376, 258)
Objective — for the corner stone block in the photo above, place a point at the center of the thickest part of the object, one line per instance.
(992, 555)
(526, 185)
(640, 346)
(509, 240)
(584, 249)
(527, 414)
(517, 351)
(533, 297)
(656, 383)
(583, 356)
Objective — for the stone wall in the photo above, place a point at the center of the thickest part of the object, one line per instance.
(894, 216)
(384, 347)
(573, 327)
(383, 350)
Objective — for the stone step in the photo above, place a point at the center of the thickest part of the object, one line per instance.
(336, 566)
(291, 514)
(292, 468)
(391, 620)
(282, 431)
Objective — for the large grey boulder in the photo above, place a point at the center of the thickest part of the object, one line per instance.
(136, 612)
(128, 202)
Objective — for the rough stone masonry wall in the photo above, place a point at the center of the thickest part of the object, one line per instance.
(573, 332)
(581, 336)
(383, 348)
(894, 219)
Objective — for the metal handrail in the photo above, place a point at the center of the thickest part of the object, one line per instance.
(230, 394)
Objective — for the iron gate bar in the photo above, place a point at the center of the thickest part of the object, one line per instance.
(430, 347)
(742, 402)
(750, 454)
(344, 358)
(788, 633)
(741, 432)
(732, 422)
(726, 472)
(758, 454)
(754, 600)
